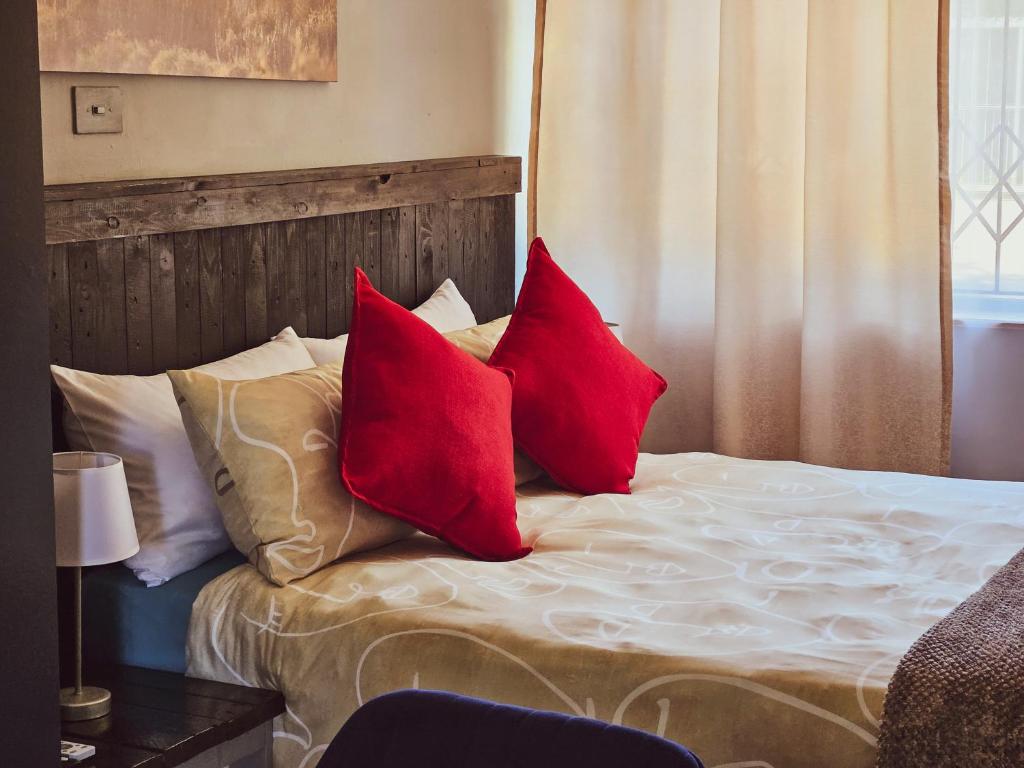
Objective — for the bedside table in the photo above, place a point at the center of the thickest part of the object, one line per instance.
(161, 720)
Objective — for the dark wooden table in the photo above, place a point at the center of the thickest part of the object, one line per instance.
(161, 719)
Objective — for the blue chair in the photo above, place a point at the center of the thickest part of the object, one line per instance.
(435, 729)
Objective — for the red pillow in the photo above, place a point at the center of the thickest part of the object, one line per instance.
(581, 398)
(426, 430)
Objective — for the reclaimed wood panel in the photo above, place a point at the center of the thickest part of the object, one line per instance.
(254, 244)
(316, 281)
(85, 299)
(407, 256)
(138, 270)
(337, 310)
(125, 216)
(211, 295)
(163, 302)
(232, 258)
(186, 294)
(150, 302)
(431, 248)
(60, 306)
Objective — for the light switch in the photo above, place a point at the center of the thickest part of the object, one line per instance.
(97, 110)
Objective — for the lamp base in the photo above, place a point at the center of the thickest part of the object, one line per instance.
(88, 705)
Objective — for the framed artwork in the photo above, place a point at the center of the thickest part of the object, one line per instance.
(261, 39)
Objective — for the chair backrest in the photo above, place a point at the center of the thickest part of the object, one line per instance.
(431, 729)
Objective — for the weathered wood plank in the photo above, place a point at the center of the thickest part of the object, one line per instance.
(407, 256)
(139, 308)
(112, 343)
(186, 288)
(93, 219)
(316, 280)
(60, 306)
(211, 296)
(254, 245)
(277, 276)
(471, 274)
(389, 253)
(484, 301)
(295, 266)
(431, 248)
(463, 239)
(233, 257)
(504, 273)
(97, 189)
(353, 259)
(163, 302)
(371, 245)
(335, 282)
(85, 301)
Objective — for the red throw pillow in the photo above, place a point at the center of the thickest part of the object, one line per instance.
(426, 430)
(581, 398)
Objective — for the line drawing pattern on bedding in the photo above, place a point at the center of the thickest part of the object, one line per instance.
(753, 611)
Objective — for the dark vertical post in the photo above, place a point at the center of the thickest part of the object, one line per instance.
(29, 722)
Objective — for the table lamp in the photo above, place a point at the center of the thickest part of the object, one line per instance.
(94, 526)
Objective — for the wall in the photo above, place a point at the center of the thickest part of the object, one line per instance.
(28, 713)
(416, 80)
(988, 415)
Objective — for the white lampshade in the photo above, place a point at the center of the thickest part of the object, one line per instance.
(93, 512)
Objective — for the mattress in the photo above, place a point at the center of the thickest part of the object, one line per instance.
(126, 622)
(751, 611)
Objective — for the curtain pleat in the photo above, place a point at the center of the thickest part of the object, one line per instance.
(749, 188)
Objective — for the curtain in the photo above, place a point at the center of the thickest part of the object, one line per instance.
(753, 190)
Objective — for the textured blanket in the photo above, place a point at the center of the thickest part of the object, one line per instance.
(754, 611)
(957, 697)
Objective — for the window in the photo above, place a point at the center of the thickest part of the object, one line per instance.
(986, 92)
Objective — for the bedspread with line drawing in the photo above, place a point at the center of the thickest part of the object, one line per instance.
(753, 611)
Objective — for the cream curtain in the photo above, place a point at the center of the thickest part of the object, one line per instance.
(752, 189)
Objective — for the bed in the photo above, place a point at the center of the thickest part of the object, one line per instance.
(753, 611)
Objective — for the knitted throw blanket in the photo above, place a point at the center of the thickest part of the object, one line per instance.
(957, 698)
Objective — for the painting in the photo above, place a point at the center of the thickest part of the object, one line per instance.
(262, 39)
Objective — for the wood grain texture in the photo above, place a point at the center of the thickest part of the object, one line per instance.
(211, 296)
(146, 303)
(60, 306)
(94, 218)
(232, 257)
(316, 277)
(164, 719)
(186, 292)
(139, 309)
(163, 302)
(335, 282)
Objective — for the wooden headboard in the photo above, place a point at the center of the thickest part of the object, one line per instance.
(169, 273)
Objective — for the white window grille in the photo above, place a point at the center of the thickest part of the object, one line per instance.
(986, 91)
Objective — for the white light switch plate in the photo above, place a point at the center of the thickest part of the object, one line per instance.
(98, 110)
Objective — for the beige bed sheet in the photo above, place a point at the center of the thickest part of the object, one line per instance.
(753, 611)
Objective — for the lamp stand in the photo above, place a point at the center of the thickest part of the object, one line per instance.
(82, 702)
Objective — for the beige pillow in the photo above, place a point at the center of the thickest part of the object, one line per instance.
(136, 418)
(480, 341)
(444, 311)
(268, 448)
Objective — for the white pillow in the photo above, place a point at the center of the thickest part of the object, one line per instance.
(444, 311)
(137, 418)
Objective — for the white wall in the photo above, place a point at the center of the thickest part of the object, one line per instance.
(988, 401)
(417, 79)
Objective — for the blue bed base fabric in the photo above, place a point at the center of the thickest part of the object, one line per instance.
(434, 729)
(126, 622)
